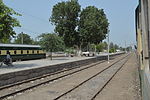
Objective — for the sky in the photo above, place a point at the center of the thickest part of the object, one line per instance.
(36, 14)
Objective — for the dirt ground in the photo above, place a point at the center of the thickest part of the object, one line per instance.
(125, 85)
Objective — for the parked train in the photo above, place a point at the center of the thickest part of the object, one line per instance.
(21, 52)
(142, 16)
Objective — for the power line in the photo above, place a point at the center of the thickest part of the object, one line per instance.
(35, 17)
(28, 30)
(28, 14)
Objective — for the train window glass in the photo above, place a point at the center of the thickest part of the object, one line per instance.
(7, 52)
(0, 52)
(32, 51)
(21, 51)
(38, 51)
(27, 52)
(15, 52)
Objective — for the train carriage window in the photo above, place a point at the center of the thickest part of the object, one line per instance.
(21, 51)
(0, 52)
(32, 51)
(37, 51)
(15, 52)
(7, 52)
(27, 51)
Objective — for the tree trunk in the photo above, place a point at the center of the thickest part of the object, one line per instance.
(51, 54)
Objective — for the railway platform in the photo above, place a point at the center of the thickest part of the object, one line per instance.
(30, 64)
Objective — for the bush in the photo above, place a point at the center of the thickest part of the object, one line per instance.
(112, 50)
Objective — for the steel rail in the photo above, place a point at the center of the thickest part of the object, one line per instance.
(108, 81)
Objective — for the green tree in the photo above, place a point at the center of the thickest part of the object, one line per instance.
(112, 50)
(100, 47)
(111, 45)
(93, 25)
(65, 18)
(105, 45)
(129, 48)
(7, 22)
(25, 38)
(116, 46)
(122, 49)
(35, 42)
(51, 42)
(92, 47)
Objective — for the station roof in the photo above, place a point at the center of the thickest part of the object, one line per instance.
(19, 45)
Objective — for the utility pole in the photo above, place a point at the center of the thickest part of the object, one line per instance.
(108, 46)
(22, 37)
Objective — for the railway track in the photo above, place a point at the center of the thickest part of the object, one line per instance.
(98, 92)
(20, 87)
(64, 95)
